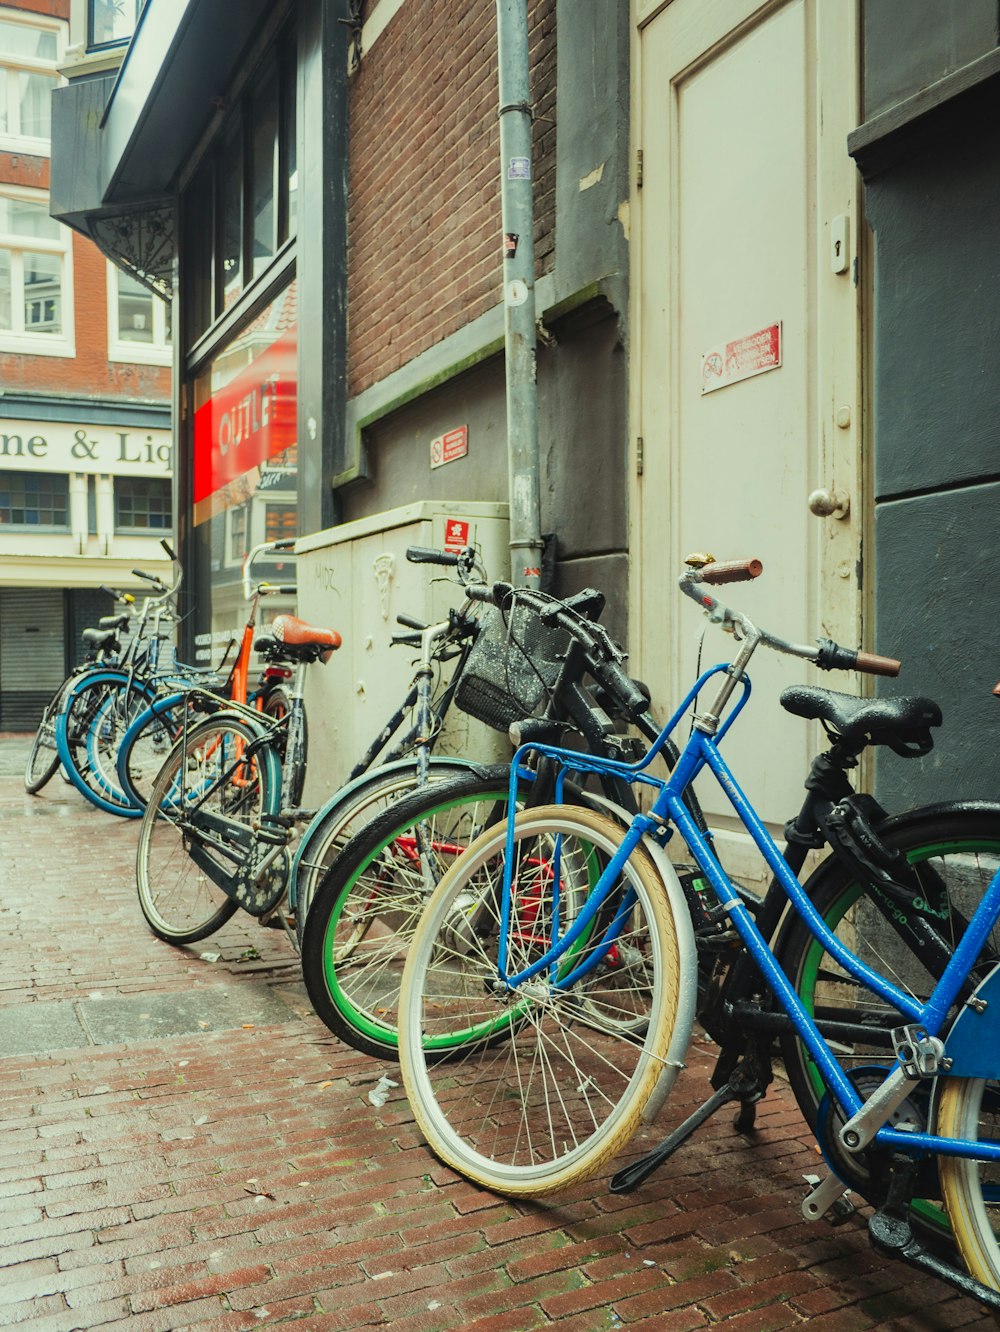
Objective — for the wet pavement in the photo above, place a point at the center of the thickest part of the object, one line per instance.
(183, 1144)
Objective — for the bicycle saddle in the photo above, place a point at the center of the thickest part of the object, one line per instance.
(100, 640)
(901, 723)
(295, 638)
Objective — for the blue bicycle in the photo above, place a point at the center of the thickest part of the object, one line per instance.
(557, 964)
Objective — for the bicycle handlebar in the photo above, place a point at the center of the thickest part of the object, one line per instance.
(429, 555)
(826, 654)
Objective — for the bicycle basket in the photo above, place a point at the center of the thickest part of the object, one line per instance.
(512, 667)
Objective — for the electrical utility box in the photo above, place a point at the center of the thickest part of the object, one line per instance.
(356, 579)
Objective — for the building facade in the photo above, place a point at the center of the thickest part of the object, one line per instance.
(316, 185)
(85, 442)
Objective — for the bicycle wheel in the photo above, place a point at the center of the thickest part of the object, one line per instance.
(970, 1108)
(89, 730)
(328, 834)
(43, 757)
(955, 851)
(367, 907)
(145, 746)
(564, 1091)
(208, 794)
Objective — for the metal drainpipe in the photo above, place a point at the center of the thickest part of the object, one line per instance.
(517, 216)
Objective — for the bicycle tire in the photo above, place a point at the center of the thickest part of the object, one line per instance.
(43, 757)
(204, 771)
(962, 843)
(89, 729)
(145, 745)
(344, 815)
(970, 1108)
(489, 1099)
(369, 902)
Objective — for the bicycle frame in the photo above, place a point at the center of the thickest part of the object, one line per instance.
(700, 752)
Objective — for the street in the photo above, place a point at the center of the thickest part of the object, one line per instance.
(184, 1145)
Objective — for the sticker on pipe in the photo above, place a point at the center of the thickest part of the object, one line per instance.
(742, 358)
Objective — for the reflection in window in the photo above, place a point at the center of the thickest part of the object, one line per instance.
(29, 53)
(142, 503)
(139, 321)
(34, 499)
(241, 207)
(238, 534)
(111, 22)
(33, 250)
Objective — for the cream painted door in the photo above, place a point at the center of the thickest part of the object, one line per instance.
(744, 216)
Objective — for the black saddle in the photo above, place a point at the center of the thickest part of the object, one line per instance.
(901, 723)
(100, 640)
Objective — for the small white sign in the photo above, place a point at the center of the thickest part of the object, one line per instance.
(742, 358)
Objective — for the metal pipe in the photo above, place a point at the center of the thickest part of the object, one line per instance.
(517, 214)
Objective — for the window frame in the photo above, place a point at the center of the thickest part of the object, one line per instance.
(123, 529)
(20, 339)
(158, 352)
(116, 42)
(32, 144)
(42, 528)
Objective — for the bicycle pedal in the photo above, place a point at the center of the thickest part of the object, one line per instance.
(827, 1200)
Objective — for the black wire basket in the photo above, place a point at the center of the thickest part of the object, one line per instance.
(512, 668)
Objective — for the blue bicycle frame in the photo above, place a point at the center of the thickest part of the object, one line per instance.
(702, 751)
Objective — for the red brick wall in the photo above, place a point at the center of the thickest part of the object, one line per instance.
(424, 252)
(89, 373)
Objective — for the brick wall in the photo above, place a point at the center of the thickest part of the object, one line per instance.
(424, 215)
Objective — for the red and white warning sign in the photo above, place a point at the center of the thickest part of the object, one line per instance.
(449, 446)
(456, 533)
(742, 358)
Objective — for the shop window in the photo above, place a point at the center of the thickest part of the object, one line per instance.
(112, 22)
(142, 504)
(242, 205)
(30, 50)
(35, 285)
(139, 326)
(280, 522)
(34, 499)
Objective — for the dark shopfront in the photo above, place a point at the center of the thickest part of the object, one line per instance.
(206, 200)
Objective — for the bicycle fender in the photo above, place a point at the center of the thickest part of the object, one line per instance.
(973, 1043)
(687, 994)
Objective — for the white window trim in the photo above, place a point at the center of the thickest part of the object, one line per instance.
(157, 352)
(42, 344)
(26, 143)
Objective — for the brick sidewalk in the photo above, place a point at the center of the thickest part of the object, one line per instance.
(183, 1144)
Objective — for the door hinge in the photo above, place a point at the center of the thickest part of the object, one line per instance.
(640, 455)
(638, 168)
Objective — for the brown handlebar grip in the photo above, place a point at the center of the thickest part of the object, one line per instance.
(732, 571)
(996, 690)
(872, 665)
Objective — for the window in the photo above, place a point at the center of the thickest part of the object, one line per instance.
(30, 49)
(112, 22)
(142, 504)
(34, 499)
(280, 522)
(138, 322)
(237, 534)
(35, 286)
(241, 207)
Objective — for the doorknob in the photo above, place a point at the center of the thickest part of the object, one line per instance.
(829, 503)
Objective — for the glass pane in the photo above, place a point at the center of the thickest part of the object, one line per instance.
(135, 310)
(265, 144)
(35, 99)
(5, 79)
(112, 20)
(142, 502)
(42, 293)
(290, 147)
(20, 39)
(6, 292)
(24, 217)
(198, 232)
(231, 203)
(34, 499)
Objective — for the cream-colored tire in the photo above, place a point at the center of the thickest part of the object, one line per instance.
(554, 1100)
(970, 1108)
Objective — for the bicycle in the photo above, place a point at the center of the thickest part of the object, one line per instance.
(268, 793)
(102, 647)
(599, 1001)
(156, 724)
